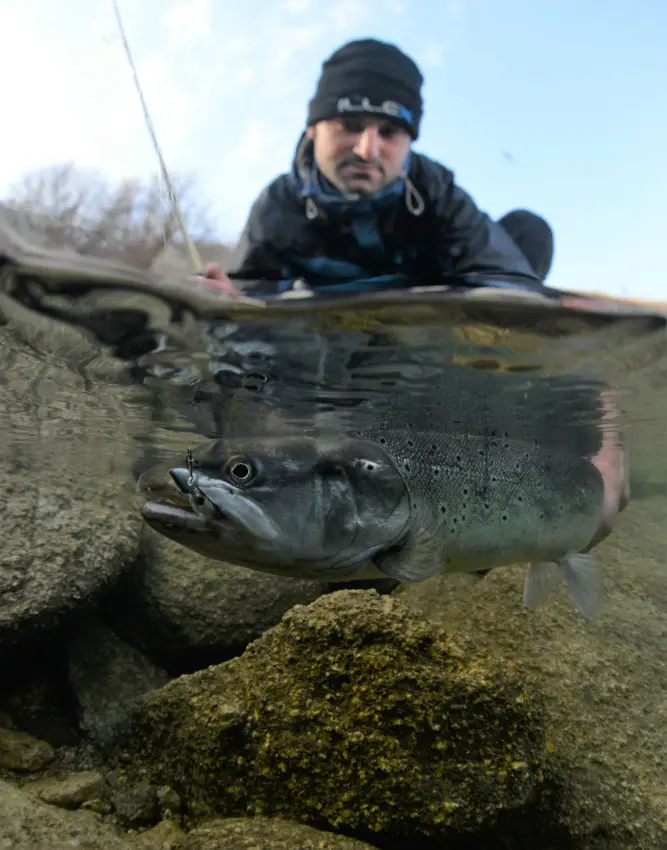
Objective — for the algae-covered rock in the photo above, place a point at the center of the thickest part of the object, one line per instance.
(167, 835)
(68, 792)
(352, 715)
(28, 824)
(260, 833)
(20, 751)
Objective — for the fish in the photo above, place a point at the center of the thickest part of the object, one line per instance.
(402, 503)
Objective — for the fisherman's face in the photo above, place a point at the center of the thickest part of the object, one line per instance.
(360, 154)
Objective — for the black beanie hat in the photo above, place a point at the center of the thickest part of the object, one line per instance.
(369, 76)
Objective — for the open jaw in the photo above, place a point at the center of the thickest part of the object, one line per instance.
(167, 506)
(173, 514)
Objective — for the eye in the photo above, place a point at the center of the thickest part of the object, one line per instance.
(352, 125)
(388, 131)
(240, 470)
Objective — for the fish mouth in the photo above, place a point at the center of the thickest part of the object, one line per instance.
(167, 503)
(170, 516)
(168, 507)
(198, 503)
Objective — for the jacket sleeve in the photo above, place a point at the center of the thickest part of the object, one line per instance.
(254, 257)
(471, 243)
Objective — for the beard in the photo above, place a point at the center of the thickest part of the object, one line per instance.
(360, 176)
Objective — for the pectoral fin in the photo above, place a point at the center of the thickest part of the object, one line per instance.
(412, 561)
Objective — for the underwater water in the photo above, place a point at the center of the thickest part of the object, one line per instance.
(102, 379)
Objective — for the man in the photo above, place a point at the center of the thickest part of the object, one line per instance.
(360, 206)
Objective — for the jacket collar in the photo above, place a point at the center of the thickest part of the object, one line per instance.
(325, 200)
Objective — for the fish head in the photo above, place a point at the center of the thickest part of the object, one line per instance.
(307, 507)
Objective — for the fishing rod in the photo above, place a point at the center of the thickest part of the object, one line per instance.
(191, 248)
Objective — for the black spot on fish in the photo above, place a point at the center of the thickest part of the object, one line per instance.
(443, 509)
(504, 517)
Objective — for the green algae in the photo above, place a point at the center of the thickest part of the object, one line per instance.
(355, 715)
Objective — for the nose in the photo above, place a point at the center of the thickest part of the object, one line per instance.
(368, 144)
(181, 478)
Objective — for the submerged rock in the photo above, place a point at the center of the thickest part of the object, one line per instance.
(261, 833)
(68, 792)
(20, 751)
(107, 677)
(185, 611)
(28, 824)
(351, 715)
(167, 835)
(69, 528)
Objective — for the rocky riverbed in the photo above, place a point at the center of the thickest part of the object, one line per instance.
(442, 716)
(151, 698)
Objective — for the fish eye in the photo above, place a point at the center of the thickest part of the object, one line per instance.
(240, 470)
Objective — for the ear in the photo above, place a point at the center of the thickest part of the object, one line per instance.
(310, 131)
(411, 560)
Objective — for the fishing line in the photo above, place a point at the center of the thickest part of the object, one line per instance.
(195, 259)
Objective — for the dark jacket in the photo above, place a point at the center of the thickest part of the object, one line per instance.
(420, 227)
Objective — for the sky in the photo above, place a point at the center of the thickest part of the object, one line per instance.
(559, 106)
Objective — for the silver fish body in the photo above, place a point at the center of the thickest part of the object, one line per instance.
(399, 503)
(483, 502)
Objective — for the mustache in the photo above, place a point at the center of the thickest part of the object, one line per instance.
(353, 159)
